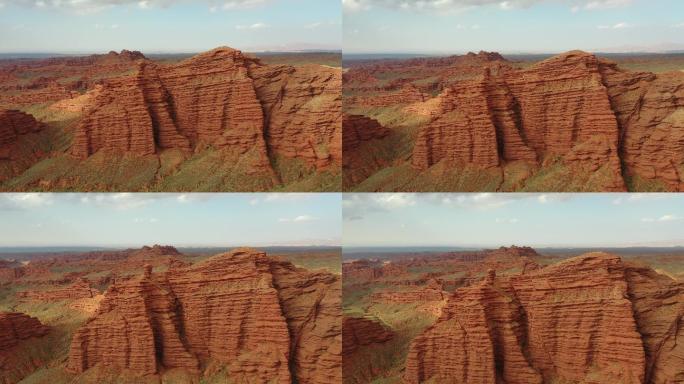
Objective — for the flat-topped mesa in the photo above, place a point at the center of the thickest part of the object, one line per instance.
(131, 55)
(513, 250)
(14, 124)
(123, 55)
(261, 318)
(162, 250)
(591, 318)
(220, 98)
(486, 56)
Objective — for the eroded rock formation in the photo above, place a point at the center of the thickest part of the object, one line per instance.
(13, 124)
(590, 319)
(220, 98)
(261, 318)
(357, 165)
(574, 107)
(361, 331)
(79, 289)
(15, 329)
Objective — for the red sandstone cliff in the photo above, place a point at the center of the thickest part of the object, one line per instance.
(220, 98)
(574, 106)
(359, 331)
(13, 124)
(16, 328)
(259, 318)
(590, 319)
(357, 165)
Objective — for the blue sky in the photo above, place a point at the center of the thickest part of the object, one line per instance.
(487, 220)
(537, 26)
(124, 219)
(151, 26)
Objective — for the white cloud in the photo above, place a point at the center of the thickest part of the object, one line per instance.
(357, 206)
(506, 221)
(242, 4)
(620, 25)
(298, 219)
(121, 201)
(605, 4)
(313, 25)
(102, 26)
(546, 198)
(13, 201)
(668, 217)
(464, 5)
(279, 197)
(354, 5)
(145, 221)
(252, 26)
(93, 6)
(193, 197)
(639, 197)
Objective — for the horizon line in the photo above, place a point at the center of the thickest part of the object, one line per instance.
(128, 246)
(502, 52)
(508, 246)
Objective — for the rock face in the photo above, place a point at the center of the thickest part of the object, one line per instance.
(574, 106)
(650, 112)
(78, 290)
(220, 98)
(262, 319)
(52, 79)
(432, 291)
(357, 130)
(15, 327)
(13, 124)
(360, 331)
(303, 111)
(590, 319)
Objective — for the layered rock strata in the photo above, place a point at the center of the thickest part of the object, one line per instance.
(14, 124)
(574, 107)
(262, 319)
(16, 327)
(590, 319)
(79, 289)
(361, 331)
(357, 163)
(220, 98)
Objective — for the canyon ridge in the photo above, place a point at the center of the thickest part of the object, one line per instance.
(480, 122)
(221, 120)
(155, 314)
(513, 315)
